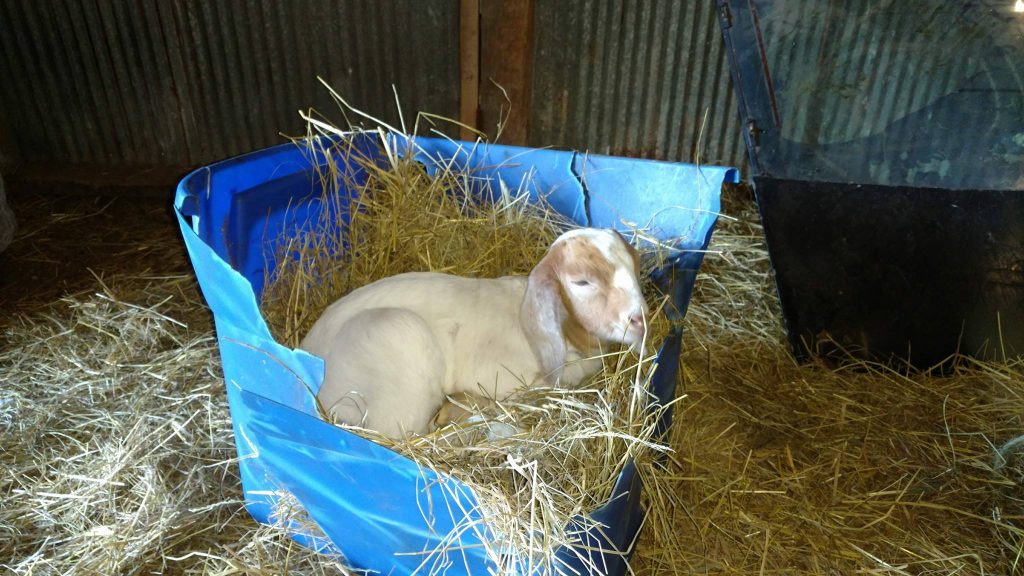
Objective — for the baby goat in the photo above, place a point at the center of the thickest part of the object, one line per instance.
(396, 348)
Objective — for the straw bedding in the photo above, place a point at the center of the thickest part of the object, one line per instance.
(117, 454)
(823, 469)
(572, 443)
(117, 457)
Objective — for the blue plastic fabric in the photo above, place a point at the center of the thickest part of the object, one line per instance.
(379, 509)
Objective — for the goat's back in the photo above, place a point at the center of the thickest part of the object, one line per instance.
(475, 323)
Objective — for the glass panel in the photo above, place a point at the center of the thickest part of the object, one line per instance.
(924, 93)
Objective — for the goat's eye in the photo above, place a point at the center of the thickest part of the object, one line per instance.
(581, 282)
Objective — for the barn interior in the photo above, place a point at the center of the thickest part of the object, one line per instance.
(831, 421)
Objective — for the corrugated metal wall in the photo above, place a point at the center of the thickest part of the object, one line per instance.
(186, 82)
(634, 78)
(163, 82)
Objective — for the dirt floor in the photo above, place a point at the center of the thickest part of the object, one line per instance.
(66, 242)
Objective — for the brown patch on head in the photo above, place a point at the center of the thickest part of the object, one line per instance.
(547, 269)
(581, 259)
(567, 260)
(632, 253)
(576, 334)
(585, 272)
(584, 260)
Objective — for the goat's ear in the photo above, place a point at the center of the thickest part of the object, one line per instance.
(542, 315)
(633, 253)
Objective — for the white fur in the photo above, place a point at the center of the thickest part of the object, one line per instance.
(396, 348)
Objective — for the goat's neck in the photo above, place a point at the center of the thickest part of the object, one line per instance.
(579, 365)
(577, 338)
(582, 354)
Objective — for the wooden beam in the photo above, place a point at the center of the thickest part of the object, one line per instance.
(469, 66)
(506, 69)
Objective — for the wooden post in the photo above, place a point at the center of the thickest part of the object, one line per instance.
(469, 66)
(506, 69)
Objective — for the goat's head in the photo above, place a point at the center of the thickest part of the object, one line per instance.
(586, 290)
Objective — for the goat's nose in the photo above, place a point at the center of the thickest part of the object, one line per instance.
(637, 320)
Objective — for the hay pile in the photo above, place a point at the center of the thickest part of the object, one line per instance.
(572, 444)
(402, 221)
(820, 469)
(777, 467)
(116, 454)
(116, 447)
